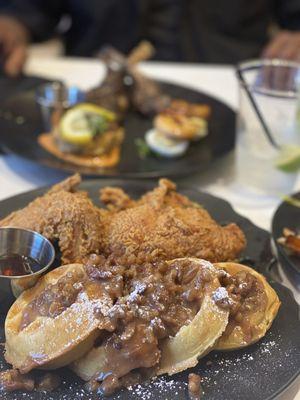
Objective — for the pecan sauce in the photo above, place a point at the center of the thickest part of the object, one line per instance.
(157, 301)
(246, 296)
(148, 303)
(12, 380)
(194, 386)
(57, 297)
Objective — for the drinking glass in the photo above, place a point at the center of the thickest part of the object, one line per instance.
(54, 99)
(274, 86)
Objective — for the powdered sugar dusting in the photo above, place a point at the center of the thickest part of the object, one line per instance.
(139, 288)
(162, 385)
(243, 371)
(250, 368)
(208, 265)
(220, 294)
(261, 369)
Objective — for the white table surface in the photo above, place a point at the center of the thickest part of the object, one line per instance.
(18, 175)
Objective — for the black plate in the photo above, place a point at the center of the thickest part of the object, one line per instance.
(287, 216)
(10, 87)
(259, 372)
(22, 139)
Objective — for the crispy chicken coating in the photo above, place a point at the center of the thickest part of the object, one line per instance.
(161, 225)
(65, 215)
(164, 224)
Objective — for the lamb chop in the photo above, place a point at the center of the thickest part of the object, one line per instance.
(112, 93)
(125, 85)
(145, 93)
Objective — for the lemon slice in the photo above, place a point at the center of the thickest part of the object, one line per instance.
(80, 124)
(288, 159)
(94, 109)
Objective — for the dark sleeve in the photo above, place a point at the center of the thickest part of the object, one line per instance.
(287, 14)
(39, 16)
(160, 24)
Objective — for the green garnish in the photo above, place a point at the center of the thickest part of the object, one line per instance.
(292, 201)
(142, 148)
(97, 123)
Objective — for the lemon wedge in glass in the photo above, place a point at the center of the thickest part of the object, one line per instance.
(80, 124)
(288, 159)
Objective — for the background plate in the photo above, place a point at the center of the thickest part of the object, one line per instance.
(259, 372)
(22, 139)
(287, 216)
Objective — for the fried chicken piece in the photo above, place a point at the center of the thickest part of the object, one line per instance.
(161, 225)
(115, 198)
(164, 225)
(65, 215)
(68, 185)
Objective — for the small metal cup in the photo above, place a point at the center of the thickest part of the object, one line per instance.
(54, 99)
(26, 243)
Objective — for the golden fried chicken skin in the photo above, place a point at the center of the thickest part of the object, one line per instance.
(161, 225)
(164, 224)
(65, 215)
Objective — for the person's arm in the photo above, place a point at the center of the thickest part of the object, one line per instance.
(286, 43)
(160, 25)
(21, 22)
(40, 17)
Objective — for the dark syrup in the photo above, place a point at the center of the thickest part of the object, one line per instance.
(17, 265)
